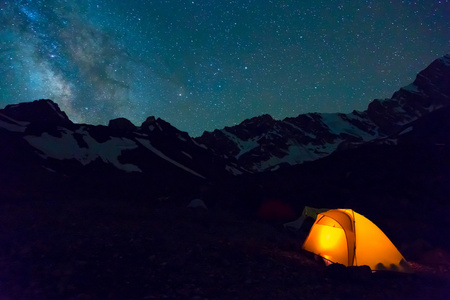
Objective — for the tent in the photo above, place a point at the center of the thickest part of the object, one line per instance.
(346, 237)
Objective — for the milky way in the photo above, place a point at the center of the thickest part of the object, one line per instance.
(204, 64)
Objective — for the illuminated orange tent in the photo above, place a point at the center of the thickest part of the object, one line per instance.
(346, 237)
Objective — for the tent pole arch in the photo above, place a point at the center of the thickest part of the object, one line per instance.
(349, 236)
(355, 258)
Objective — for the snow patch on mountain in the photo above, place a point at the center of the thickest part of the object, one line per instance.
(54, 107)
(295, 155)
(299, 129)
(338, 125)
(180, 137)
(233, 170)
(199, 144)
(11, 124)
(244, 146)
(149, 146)
(408, 129)
(187, 154)
(446, 60)
(67, 147)
(412, 88)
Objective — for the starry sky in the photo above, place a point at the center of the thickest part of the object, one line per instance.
(206, 64)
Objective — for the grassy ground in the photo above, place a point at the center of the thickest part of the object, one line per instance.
(93, 249)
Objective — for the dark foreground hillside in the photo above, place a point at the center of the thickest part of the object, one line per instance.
(98, 249)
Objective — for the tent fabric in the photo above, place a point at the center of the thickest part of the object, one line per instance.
(346, 237)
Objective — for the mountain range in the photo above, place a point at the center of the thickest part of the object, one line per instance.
(262, 143)
(44, 152)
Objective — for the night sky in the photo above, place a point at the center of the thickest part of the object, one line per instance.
(206, 64)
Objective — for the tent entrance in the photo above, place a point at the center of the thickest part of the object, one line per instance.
(327, 239)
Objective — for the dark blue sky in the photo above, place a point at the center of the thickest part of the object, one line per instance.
(207, 64)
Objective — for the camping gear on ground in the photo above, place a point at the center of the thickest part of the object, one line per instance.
(197, 203)
(275, 210)
(307, 212)
(346, 237)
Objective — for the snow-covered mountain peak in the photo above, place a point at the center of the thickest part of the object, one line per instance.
(262, 143)
(40, 111)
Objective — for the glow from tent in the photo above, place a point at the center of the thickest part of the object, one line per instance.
(330, 237)
(329, 242)
(333, 238)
